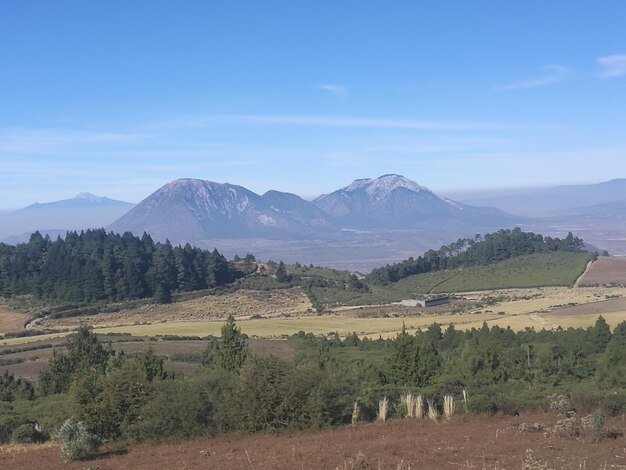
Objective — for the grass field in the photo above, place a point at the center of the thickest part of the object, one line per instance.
(545, 269)
(537, 270)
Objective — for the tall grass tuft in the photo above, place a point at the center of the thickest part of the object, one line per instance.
(432, 411)
(448, 406)
(408, 405)
(356, 413)
(383, 409)
(419, 407)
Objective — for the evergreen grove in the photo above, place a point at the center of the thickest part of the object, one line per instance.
(94, 265)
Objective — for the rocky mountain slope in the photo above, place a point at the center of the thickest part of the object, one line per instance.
(395, 202)
(191, 210)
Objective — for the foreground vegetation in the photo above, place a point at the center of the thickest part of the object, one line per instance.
(132, 398)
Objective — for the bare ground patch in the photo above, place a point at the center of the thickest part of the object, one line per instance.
(11, 320)
(605, 271)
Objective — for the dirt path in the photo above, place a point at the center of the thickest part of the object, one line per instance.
(580, 278)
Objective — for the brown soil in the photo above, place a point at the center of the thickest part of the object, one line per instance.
(10, 320)
(605, 271)
(464, 442)
(605, 306)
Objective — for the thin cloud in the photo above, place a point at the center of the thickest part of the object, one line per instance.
(551, 74)
(356, 122)
(332, 89)
(612, 65)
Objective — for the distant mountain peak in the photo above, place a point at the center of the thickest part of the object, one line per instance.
(89, 197)
(384, 184)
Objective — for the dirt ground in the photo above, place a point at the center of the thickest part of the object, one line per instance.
(10, 320)
(605, 271)
(464, 442)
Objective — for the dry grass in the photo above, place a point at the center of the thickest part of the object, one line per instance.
(577, 307)
(356, 414)
(11, 320)
(448, 406)
(465, 442)
(432, 412)
(419, 407)
(383, 409)
(408, 405)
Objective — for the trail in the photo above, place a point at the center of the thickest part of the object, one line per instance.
(443, 282)
(587, 268)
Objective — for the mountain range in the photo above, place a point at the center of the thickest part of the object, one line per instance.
(190, 210)
(550, 202)
(365, 224)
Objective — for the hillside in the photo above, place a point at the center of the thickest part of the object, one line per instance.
(536, 270)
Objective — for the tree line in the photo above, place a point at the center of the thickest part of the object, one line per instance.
(480, 250)
(94, 265)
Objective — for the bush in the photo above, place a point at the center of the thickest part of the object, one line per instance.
(27, 433)
(77, 443)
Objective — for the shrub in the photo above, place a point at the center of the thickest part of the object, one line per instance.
(77, 443)
(27, 433)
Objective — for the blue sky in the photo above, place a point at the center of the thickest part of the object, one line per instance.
(120, 97)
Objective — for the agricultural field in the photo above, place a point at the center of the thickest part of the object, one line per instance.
(538, 270)
(605, 271)
(10, 319)
(518, 308)
(465, 441)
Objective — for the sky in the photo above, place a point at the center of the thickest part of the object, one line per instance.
(119, 97)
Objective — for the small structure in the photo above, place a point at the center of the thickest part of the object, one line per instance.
(434, 302)
(426, 302)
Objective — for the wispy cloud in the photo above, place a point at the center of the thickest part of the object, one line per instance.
(332, 89)
(351, 121)
(551, 74)
(612, 65)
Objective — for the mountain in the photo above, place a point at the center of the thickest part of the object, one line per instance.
(556, 201)
(81, 201)
(188, 210)
(395, 202)
(611, 211)
(79, 213)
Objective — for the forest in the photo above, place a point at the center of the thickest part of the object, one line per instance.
(94, 265)
(480, 250)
